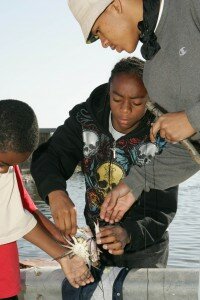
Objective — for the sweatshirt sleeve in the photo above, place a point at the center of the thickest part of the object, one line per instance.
(193, 114)
(173, 166)
(27, 202)
(54, 161)
(150, 217)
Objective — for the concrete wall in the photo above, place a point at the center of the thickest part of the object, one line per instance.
(145, 284)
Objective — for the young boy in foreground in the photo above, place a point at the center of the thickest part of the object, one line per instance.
(18, 138)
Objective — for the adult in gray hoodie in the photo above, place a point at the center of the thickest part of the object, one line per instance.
(170, 33)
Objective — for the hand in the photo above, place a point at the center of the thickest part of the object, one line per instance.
(76, 271)
(174, 127)
(63, 212)
(113, 239)
(117, 203)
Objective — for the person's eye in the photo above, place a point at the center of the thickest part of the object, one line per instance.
(137, 102)
(116, 100)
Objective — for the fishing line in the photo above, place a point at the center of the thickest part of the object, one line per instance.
(145, 233)
(101, 288)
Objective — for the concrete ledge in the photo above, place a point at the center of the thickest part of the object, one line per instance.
(44, 283)
(41, 283)
(158, 284)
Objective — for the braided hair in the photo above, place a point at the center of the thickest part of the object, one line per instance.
(129, 65)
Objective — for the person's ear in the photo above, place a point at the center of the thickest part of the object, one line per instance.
(117, 5)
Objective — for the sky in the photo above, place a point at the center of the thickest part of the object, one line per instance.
(44, 60)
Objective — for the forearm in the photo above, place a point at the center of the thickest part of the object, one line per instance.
(41, 239)
(46, 174)
(143, 233)
(173, 166)
(47, 225)
(150, 217)
(55, 161)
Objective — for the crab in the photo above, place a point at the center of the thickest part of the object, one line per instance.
(84, 245)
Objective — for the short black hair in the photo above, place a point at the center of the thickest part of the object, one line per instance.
(19, 130)
(129, 65)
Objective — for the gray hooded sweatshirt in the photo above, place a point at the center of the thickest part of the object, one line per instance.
(172, 79)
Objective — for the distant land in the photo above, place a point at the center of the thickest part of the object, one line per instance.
(45, 134)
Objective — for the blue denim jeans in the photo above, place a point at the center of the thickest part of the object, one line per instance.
(86, 292)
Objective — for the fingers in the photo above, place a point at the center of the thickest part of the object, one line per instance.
(116, 212)
(166, 128)
(162, 133)
(81, 281)
(116, 216)
(109, 239)
(116, 252)
(108, 204)
(60, 223)
(114, 248)
(80, 277)
(107, 216)
(154, 130)
(122, 206)
(70, 221)
(115, 193)
(67, 221)
(73, 282)
(73, 217)
(104, 206)
(63, 212)
(106, 235)
(86, 277)
(111, 200)
(113, 239)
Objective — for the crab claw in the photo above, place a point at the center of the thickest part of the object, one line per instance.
(96, 227)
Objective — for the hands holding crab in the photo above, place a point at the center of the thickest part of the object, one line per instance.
(76, 271)
(113, 238)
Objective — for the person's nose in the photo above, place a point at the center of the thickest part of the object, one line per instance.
(126, 107)
(104, 42)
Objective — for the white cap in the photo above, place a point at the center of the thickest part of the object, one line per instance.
(86, 12)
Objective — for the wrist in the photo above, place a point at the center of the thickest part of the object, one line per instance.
(57, 194)
(62, 257)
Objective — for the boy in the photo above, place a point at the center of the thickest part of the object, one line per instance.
(18, 138)
(108, 133)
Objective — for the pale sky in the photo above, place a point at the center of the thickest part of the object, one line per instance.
(44, 60)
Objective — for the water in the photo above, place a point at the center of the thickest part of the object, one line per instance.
(184, 230)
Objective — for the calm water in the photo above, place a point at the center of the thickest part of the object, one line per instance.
(184, 230)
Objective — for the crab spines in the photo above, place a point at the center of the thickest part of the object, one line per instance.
(84, 246)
